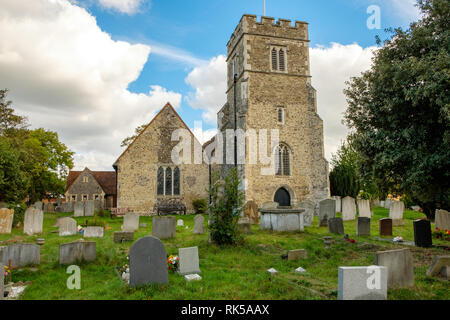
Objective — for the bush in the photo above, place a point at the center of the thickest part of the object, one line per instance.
(19, 212)
(200, 206)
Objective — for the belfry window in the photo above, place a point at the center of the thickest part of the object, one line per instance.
(282, 161)
(280, 115)
(278, 59)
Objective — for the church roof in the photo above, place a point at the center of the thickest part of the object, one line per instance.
(106, 179)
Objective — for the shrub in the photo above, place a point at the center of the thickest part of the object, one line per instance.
(200, 206)
(19, 212)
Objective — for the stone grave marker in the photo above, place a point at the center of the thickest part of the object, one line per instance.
(422, 233)
(244, 225)
(6, 220)
(443, 220)
(189, 261)
(348, 209)
(39, 205)
(308, 215)
(93, 232)
(297, 254)
(386, 227)
(123, 236)
(364, 208)
(164, 227)
(363, 227)
(20, 254)
(336, 226)
(33, 221)
(78, 251)
(78, 208)
(382, 203)
(251, 212)
(130, 222)
(338, 203)
(355, 283)
(400, 267)
(327, 210)
(439, 263)
(148, 262)
(49, 207)
(387, 203)
(199, 221)
(396, 213)
(89, 208)
(67, 227)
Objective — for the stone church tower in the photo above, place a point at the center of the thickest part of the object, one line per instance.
(269, 87)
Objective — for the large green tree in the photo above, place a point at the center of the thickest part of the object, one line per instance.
(344, 179)
(399, 110)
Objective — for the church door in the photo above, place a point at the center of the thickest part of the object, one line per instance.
(283, 198)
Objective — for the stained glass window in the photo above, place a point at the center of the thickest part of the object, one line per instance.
(160, 182)
(168, 182)
(176, 181)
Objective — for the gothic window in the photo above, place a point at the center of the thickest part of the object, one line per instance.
(278, 59)
(168, 182)
(274, 59)
(282, 161)
(282, 59)
(160, 179)
(176, 181)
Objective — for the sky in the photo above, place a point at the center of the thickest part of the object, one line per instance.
(93, 70)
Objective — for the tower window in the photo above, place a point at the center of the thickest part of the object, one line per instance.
(280, 115)
(282, 161)
(278, 59)
(274, 59)
(282, 64)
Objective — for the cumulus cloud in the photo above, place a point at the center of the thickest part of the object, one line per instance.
(67, 75)
(124, 6)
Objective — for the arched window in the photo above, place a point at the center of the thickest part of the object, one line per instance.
(282, 161)
(274, 59)
(160, 180)
(168, 182)
(282, 60)
(176, 182)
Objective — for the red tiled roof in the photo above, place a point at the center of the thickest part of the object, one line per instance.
(106, 179)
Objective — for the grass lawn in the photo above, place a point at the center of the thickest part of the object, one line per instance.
(231, 273)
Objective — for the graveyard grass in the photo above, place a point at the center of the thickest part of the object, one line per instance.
(234, 273)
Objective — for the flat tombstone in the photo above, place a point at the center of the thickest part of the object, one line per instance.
(361, 283)
(297, 254)
(327, 210)
(148, 262)
(78, 251)
(67, 227)
(396, 210)
(21, 254)
(189, 262)
(364, 208)
(251, 212)
(164, 227)
(308, 215)
(338, 203)
(386, 227)
(93, 232)
(33, 221)
(443, 219)
(422, 233)
(6, 220)
(78, 208)
(130, 222)
(439, 263)
(400, 267)
(336, 226)
(199, 220)
(123, 236)
(363, 227)
(348, 209)
(89, 208)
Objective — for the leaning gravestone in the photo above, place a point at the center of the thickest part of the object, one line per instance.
(327, 210)
(308, 215)
(442, 220)
(338, 203)
(251, 212)
(164, 227)
(33, 221)
(422, 233)
(400, 267)
(78, 251)
(67, 227)
(199, 220)
(89, 208)
(189, 262)
(396, 213)
(20, 254)
(348, 209)
(78, 208)
(364, 208)
(362, 283)
(336, 226)
(130, 222)
(148, 262)
(363, 227)
(93, 232)
(386, 227)
(6, 220)
(439, 263)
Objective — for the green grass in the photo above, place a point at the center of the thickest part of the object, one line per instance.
(228, 273)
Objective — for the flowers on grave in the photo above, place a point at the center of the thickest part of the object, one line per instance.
(441, 234)
(352, 241)
(6, 271)
(172, 263)
(398, 239)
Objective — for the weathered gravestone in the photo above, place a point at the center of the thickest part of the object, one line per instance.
(199, 220)
(387, 203)
(327, 210)
(338, 203)
(244, 225)
(148, 262)
(93, 232)
(130, 222)
(67, 227)
(123, 236)
(39, 205)
(78, 208)
(78, 251)
(33, 221)
(20, 254)
(89, 208)
(49, 207)
(164, 227)
(382, 203)
(189, 262)
(386, 227)
(297, 254)
(6, 220)
(348, 209)
(251, 212)
(422, 233)
(396, 213)
(364, 208)
(336, 226)
(2, 286)
(362, 283)
(439, 263)
(400, 267)
(442, 220)
(308, 215)
(363, 227)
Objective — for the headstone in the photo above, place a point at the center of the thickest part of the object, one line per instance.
(89, 208)
(192, 277)
(123, 236)
(308, 215)
(244, 225)
(396, 213)
(2, 285)
(189, 262)
(439, 263)
(443, 220)
(348, 209)
(20, 254)
(49, 207)
(297, 254)
(93, 232)
(78, 208)
(164, 227)
(422, 233)
(130, 222)
(78, 251)
(386, 227)
(180, 223)
(364, 208)
(362, 283)
(6, 220)
(363, 227)
(39, 205)
(445, 272)
(34, 218)
(375, 202)
(327, 210)
(67, 227)
(148, 262)
(387, 203)
(338, 203)
(336, 226)
(199, 220)
(251, 212)
(400, 267)
(382, 203)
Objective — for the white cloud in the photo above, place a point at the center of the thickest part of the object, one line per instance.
(69, 76)
(124, 6)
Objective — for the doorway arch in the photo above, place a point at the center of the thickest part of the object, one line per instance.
(283, 197)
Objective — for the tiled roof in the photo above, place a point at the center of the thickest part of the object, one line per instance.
(106, 179)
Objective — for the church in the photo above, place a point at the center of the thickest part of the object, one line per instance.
(269, 92)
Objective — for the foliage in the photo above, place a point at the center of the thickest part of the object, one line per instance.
(399, 111)
(344, 179)
(19, 212)
(200, 205)
(127, 141)
(226, 207)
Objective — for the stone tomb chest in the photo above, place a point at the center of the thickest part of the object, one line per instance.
(282, 220)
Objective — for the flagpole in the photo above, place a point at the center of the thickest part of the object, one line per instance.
(264, 7)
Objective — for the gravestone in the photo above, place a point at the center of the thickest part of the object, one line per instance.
(20, 254)
(33, 221)
(199, 220)
(89, 208)
(348, 209)
(396, 213)
(387, 203)
(39, 205)
(422, 233)
(251, 212)
(123, 236)
(364, 208)
(180, 223)
(400, 267)
(189, 262)
(130, 222)
(93, 232)
(443, 220)
(336, 226)
(386, 227)
(148, 262)
(2, 285)
(67, 227)
(363, 227)
(327, 210)
(78, 251)
(297, 254)
(338, 203)
(78, 208)
(362, 283)
(308, 215)
(6, 220)
(244, 225)
(164, 227)
(439, 263)
(49, 207)
(382, 203)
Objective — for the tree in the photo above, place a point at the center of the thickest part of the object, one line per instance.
(8, 119)
(344, 180)
(399, 111)
(127, 141)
